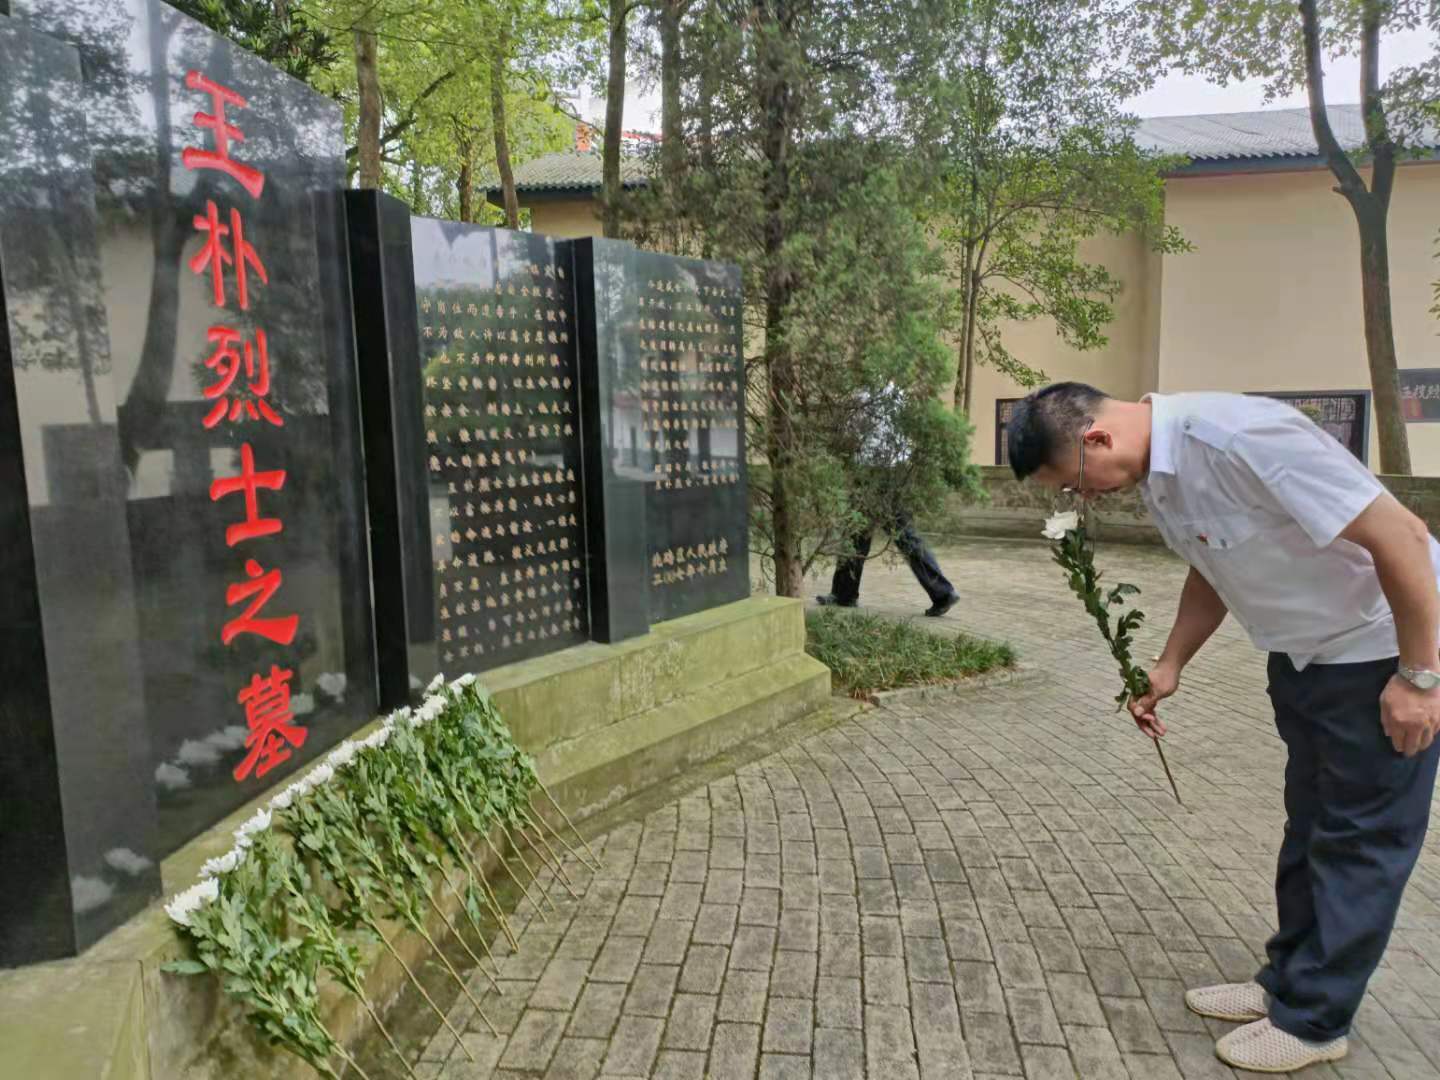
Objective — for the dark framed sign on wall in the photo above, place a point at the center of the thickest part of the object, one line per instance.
(1420, 395)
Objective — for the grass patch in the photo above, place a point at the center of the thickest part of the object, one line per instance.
(869, 653)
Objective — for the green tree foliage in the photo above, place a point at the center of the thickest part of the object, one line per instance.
(791, 168)
(1286, 43)
(416, 82)
(271, 30)
(1020, 114)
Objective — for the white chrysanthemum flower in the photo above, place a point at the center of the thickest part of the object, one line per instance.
(321, 774)
(463, 681)
(89, 893)
(1058, 525)
(229, 738)
(342, 755)
(258, 822)
(377, 738)
(184, 904)
(224, 863)
(171, 777)
(435, 684)
(332, 683)
(285, 799)
(127, 861)
(197, 752)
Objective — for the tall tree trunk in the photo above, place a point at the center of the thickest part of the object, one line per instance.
(465, 182)
(1371, 207)
(783, 378)
(367, 82)
(499, 55)
(672, 133)
(1380, 336)
(965, 373)
(706, 112)
(610, 188)
(417, 187)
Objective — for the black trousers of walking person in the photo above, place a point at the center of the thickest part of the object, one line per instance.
(1357, 811)
(845, 586)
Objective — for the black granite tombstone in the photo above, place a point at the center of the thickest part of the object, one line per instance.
(661, 348)
(224, 295)
(473, 437)
(77, 812)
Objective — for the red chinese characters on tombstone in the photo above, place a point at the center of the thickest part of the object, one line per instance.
(226, 361)
(241, 390)
(251, 179)
(214, 255)
(249, 483)
(268, 714)
(259, 590)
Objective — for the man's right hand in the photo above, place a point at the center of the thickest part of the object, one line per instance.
(1164, 681)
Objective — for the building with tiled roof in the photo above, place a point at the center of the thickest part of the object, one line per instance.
(1267, 301)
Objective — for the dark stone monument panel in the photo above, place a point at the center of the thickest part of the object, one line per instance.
(669, 364)
(226, 298)
(615, 490)
(501, 443)
(387, 331)
(78, 850)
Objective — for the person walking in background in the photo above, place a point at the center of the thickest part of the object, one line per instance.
(884, 451)
(1285, 530)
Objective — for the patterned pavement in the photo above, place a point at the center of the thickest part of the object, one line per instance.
(982, 884)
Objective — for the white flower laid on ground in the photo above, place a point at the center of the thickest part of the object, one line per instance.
(191, 900)
(342, 755)
(258, 822)
(1057, 525)
(223, 864)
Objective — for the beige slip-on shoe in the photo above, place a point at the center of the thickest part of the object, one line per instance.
(1238, 1002)
(1262, 1047)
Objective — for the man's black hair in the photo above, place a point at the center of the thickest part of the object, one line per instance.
(1048, 421)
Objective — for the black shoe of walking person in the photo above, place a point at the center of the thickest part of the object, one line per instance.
(941, 606)
(831, 600)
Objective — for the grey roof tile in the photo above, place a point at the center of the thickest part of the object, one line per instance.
(1264, 134)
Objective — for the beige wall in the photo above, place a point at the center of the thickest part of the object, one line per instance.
(567, 219)
(1270, 297)
(1123, 367)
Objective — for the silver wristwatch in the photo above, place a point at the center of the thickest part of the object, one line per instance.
(1420, 678)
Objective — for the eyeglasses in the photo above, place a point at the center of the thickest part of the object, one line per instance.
(1075, 492)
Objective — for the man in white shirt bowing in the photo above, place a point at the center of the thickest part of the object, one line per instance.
(1285, 531)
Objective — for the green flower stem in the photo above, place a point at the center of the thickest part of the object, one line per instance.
(594, 859)
(545, 853)
(444, 1018)
(464, 903)
(344, 819)
(1075, 553)
(400, 899)
(520, 857)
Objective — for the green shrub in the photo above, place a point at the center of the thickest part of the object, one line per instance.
(867, 653)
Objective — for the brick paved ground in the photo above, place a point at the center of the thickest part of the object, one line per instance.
(994, 884)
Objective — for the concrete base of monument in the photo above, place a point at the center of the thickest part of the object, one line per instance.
(603, 721)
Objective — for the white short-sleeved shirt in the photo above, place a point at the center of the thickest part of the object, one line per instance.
(1254, 496)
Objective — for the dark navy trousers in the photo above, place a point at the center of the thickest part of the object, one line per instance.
(845, 585)
(1357, 813)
